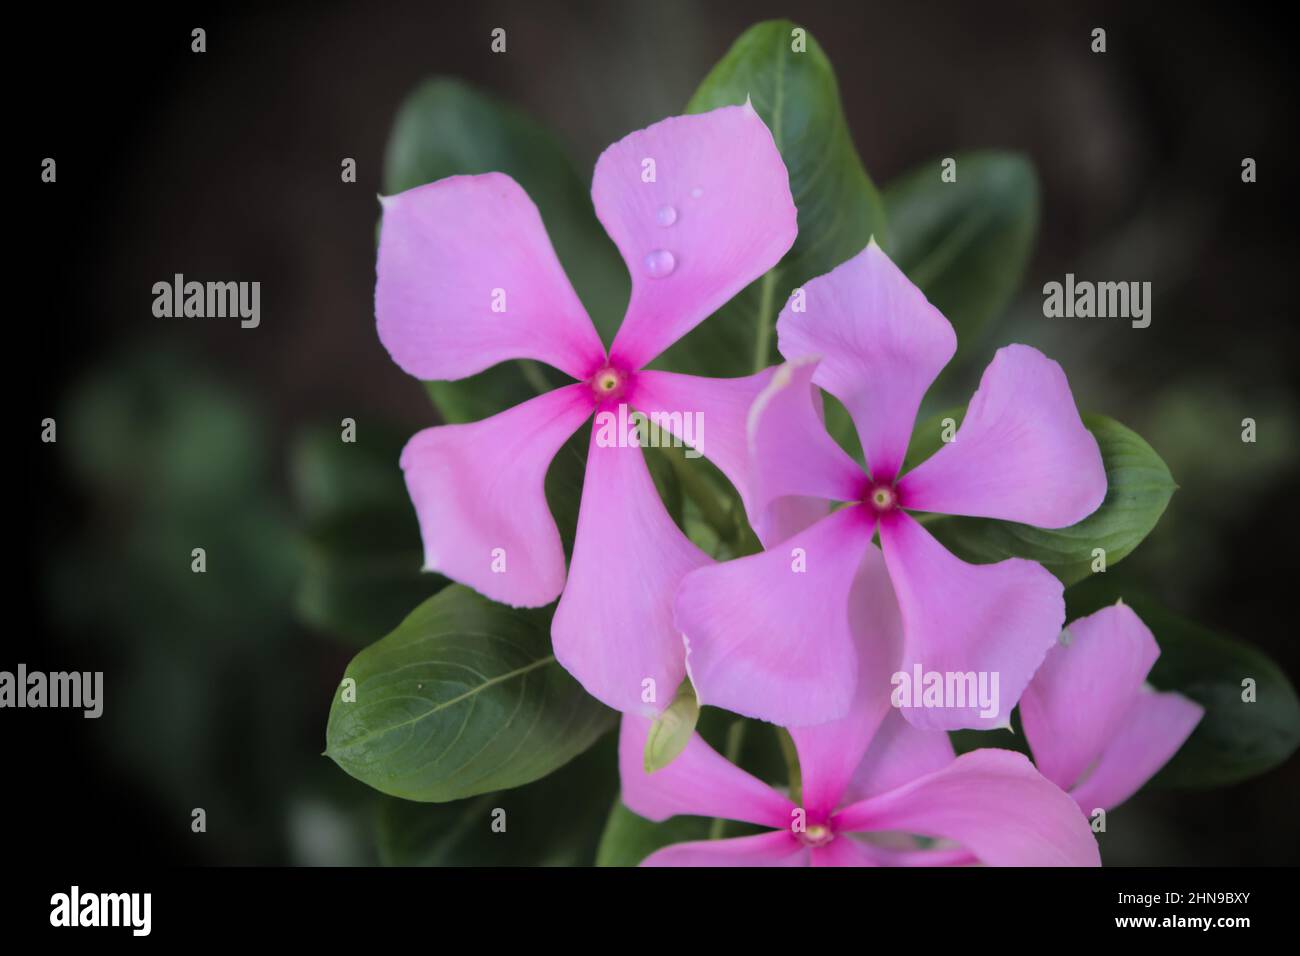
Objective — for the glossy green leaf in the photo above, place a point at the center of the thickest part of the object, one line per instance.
(839, 210)
(1139, 487)
(464, 697)
(965, 243)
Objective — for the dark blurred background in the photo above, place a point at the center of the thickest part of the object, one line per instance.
(176, 434)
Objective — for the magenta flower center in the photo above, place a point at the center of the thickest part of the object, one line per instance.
(882, 498)
(817, 834)
(608, 383)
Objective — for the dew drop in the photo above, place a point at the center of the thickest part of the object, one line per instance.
(666, 215)
(697, 192)
(660, 263)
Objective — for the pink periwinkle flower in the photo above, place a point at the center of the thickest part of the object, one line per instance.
(769, 634)
(871, 783)
(1095, 727)
(698, 206)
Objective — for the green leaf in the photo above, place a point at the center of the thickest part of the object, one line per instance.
(483, 395)
(839, 209)
(447, 128)
(628, 839)
(1235, 740)
(362, 557)
(464, 697)
(966, 243)
(519, 827)
(672, 730)
(1139, 487)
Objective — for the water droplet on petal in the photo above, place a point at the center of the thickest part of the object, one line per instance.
(697, 192)
(666, 215)
(660, 263)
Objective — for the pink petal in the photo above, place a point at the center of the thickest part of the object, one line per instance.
(881, 343)
(785, 517)
(992, 620)
(718, 408)
(849, 850)
(478, 491)
(700, 782)
(926, 857)
(993, 803)
(717, 216)
(448, 251)
(613, 629)
(1021, 454)
(843, 851)
(767, 641)
(830, 753)
(1108, 656)
(790, 452)
(899, 753)
(1156, 725)
(763, 849)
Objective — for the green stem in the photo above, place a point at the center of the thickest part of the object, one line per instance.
(702, 493)
(763, 338)
(534, 376)
(735, 741)
(791, 754)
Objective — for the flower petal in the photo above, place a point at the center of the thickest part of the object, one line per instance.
(479, 494)
(787, 516)
(843, 851)
(707, 413)
(993, 803)
(613, 629)
(939, 856)
(1021, 454)
(1156, 725)
(889, 849)
(700, 782)
(882, 344)
(715, 215)
(1081, 695)
(985, 621)
(768, 640)
(899, 753)
(790, 453)
(830, 753)
(763, 849)
(468, 278)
